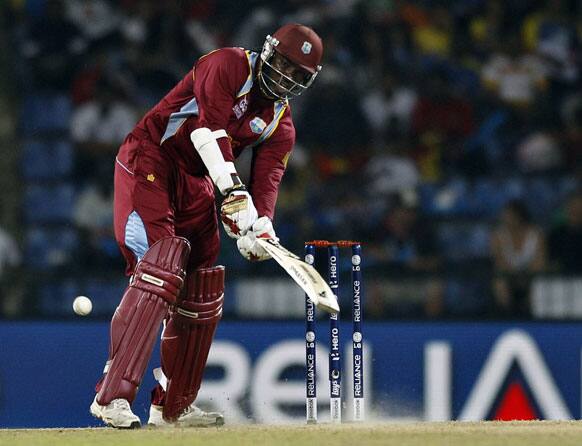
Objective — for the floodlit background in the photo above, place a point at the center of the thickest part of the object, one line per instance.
(444, 135)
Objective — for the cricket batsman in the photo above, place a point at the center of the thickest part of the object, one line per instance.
(165, 219)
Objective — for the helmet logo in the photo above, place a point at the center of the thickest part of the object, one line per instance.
(306, 48)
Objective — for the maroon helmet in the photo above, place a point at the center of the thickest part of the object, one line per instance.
(299, 45)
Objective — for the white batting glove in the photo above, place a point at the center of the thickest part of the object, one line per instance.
(238, 213)
(247, 245)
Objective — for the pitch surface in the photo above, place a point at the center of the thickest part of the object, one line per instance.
(534, 433)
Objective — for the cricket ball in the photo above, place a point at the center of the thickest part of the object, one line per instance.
(82, 305)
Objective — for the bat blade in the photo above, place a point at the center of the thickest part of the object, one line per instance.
(306, 276)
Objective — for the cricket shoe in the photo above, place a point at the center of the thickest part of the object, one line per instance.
(116, 414)
(192, 416)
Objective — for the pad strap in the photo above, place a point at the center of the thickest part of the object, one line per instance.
(153, 279)
(200, 313)
(204, 299)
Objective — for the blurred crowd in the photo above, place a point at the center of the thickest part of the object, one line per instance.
(445, 135)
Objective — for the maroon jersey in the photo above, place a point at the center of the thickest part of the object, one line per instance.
(221, 93)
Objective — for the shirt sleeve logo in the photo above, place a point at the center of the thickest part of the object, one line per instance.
(257, 125)
(240, 108)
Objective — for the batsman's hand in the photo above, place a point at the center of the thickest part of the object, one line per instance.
(247, 245)
(238, 213)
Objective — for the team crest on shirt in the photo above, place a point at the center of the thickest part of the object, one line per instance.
(306, 48)
(257, 125)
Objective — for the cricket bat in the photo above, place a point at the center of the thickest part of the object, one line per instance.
(306, 276)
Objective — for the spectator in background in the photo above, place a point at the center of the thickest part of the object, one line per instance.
(554, 34)
(10, 258)
(513, 75)
(391, 170)
(388, 105)
(565, 239)
(86, 81)
(344, 129)
(489, 28)
(403, 245)
(292, 199)
(339, 140)
(539, 151)
(337, 213)
(100, 125)
(53, 45)
(434, 36)
(93, 217)
(159, 40)
(253, 25)
(441, 121)
(376, 37)
(98, 20)
(519, 249)
(572, 137)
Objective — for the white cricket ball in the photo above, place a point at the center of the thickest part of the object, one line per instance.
(82, 305)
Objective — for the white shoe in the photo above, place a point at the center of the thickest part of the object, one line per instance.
(193, 416)
(116, 414)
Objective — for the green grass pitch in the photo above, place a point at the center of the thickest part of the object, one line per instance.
(535, 433)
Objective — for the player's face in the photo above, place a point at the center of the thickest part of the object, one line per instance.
(285, 79)
(289, 70)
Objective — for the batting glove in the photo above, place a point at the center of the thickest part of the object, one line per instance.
(238, 212)
(247, 245)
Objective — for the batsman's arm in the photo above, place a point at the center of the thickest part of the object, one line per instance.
(268, 166)
(222, 172)
(237, 212)
(215, 80)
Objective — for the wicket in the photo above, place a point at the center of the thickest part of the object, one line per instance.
(334, 332)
